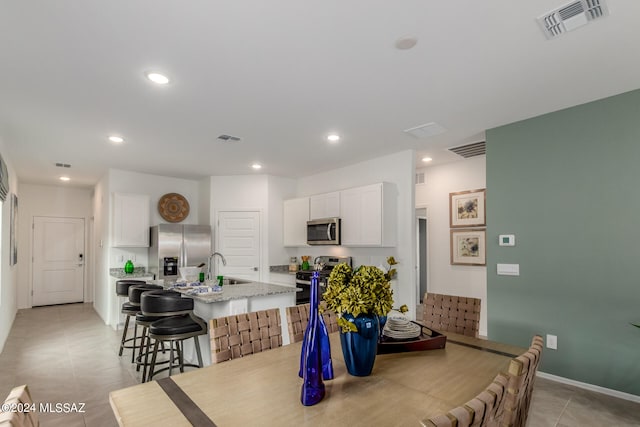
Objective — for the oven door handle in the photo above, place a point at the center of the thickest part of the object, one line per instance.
(329, 231)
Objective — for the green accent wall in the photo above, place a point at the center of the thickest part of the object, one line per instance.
(567, 184)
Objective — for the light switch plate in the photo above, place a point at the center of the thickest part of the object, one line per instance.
(508, 269)
(507, 240)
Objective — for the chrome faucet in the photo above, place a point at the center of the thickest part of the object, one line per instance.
(224, 262)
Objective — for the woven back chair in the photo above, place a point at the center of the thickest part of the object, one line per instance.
(522, 373)
(298, 318)
(244, 334)
(484, 410)
(19, 397)
(452, 313)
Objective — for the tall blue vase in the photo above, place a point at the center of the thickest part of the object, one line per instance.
(325, 345)
(312, 386)
(359, 348)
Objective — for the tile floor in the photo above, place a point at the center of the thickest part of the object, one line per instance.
(66, 354)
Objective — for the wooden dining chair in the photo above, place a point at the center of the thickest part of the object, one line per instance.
(19, 397)
(522, 373)
(298, 318)
(244, 334)
(493, 398)
(451, 313)
(484, 410)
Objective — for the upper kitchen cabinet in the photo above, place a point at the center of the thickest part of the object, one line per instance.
(131, 214)
(369, 215)
(295, 216)
(324, 205)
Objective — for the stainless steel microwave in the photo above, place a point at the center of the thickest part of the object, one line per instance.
(324, 231)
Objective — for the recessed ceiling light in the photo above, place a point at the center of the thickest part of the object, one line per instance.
(427, 159)
(405, 43)
(65, 178)
(158, 78)
(116, 139)
(333, 137)
(256, 166)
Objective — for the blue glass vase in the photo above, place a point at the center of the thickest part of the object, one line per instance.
(359, 348)
(325, 345)
(312, 390)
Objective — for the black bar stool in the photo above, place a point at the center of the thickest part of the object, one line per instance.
(178, 323)
(135, 292)
(122, 290)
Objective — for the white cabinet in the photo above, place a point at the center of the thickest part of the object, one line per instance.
(131, 214)
(295, 215)
(369, 215)
(324, 205)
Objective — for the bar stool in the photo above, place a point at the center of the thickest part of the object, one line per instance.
(135, 292)
(178, 323)
(122, 290)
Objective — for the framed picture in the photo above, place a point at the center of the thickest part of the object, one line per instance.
(468, 247)
(13, 230)
(467, 208)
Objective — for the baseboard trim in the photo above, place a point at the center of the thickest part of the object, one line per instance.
(590, 387)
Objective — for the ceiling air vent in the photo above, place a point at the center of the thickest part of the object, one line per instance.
(426, 130)
(470, 150)
(63, 165)
(571, 16)
(228, 138)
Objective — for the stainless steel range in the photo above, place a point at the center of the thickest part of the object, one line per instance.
(303, 278)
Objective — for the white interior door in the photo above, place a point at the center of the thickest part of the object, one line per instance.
(238, 240)
(58, 260)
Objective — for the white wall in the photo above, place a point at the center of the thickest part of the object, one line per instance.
(50, 201)
(280, 189)
(243, 193)
(444, 278)
(399, 169)
(8, 275)
(155, 186)
(102, 290)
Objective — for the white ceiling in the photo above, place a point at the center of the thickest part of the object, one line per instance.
(281, 74)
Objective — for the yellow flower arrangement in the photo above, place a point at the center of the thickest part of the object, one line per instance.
(365, 290)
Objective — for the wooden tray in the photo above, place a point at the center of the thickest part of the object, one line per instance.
(428, 340)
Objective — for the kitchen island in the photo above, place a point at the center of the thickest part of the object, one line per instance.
(237, 299)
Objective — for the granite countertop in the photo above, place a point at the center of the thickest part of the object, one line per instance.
(119, 273)
(241, 291)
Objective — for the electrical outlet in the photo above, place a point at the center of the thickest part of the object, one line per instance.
(120, 258)
(133, 258)
(552, 342)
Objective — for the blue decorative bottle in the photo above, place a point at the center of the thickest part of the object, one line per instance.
(312, 386)
(325, 345)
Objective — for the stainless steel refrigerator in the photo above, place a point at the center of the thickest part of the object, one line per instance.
(177, 245)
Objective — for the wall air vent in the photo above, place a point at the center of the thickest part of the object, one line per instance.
(63, 165)
(571, 16)
(420, 178)
(228, 138)
(470, 150)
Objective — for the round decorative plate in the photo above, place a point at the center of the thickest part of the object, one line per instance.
(173, 207)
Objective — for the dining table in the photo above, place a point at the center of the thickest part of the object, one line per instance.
(264, 388)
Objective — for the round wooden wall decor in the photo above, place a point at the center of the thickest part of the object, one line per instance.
(173, 207)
